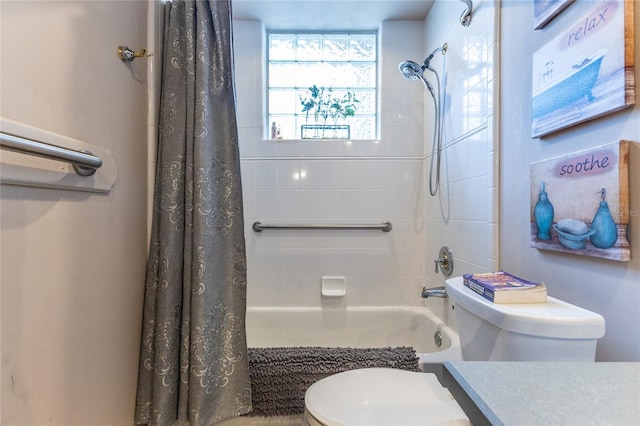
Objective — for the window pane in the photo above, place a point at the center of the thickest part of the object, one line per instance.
(308, 74)
(363, 127)
(362, 48)
(362, 74)
(282, 101)
(336, 47)
(308, 47)
(280, 74)
(339, 74)
(367, 104)
(281, 47)
(339, 65)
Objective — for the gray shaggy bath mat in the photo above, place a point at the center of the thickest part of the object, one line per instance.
(280, 376)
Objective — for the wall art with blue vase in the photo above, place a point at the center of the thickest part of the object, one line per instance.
(580, 202)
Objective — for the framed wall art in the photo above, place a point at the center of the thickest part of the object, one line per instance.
(580, 203)
(585, 72)
(545, 10)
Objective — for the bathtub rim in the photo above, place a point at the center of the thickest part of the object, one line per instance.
(425, 360)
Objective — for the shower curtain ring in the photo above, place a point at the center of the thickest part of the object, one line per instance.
(127, 55)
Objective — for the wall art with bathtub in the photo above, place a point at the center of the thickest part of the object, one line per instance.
(586, 71)
(580, 203)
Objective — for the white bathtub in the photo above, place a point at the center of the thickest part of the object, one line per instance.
(356, 327)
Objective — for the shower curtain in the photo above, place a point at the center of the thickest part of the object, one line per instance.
(193, 361)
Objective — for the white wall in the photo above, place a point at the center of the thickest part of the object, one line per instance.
(607, 287)
(335, 182)
(73, 263)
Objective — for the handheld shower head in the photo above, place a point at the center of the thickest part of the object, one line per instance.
(411, 70)
(414, 71)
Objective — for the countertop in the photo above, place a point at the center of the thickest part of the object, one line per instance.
(546, 393)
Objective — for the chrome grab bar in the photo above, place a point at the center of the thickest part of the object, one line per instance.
(84, 163)
(385, 226)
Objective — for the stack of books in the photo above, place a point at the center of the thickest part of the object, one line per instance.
(502, 287)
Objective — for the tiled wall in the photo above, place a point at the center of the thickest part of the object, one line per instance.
(292, 181)
(464, 214)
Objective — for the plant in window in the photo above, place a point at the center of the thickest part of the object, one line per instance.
(345, 107)
(324, 105)
(316, 102)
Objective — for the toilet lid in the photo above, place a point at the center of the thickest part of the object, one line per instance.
(382, 397)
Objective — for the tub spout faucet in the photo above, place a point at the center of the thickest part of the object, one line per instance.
(434, 292)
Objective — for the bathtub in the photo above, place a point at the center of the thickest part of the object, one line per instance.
(356, 327)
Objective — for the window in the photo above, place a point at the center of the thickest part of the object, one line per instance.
(341, 62)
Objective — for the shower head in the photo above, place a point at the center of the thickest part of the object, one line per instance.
(465, 18)
(411, 70)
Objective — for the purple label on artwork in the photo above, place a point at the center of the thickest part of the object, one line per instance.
(592, 163)
(591, 22)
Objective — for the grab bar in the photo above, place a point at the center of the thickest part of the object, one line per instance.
(385, 226)
(84, 163)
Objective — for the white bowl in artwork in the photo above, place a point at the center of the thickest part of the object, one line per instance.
(572, 226)
(570, 240)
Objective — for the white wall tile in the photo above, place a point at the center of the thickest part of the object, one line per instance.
(402, 112)
(322, 174)
(370, 181)
(463, 214)
(266, 174)
(289, 176)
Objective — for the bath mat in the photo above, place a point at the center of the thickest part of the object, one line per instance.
(280, 376)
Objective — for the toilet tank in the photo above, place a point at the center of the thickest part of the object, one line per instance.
(551, 331)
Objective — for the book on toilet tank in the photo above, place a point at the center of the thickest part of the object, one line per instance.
(502, 287)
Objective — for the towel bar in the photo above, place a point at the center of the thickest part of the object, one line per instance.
(385, 226)
(84, 163)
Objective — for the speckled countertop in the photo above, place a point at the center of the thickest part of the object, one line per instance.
(546, 393)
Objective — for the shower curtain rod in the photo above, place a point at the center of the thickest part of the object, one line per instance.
(84, 163)
(385, 226)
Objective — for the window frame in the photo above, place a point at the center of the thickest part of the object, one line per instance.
(376, 78)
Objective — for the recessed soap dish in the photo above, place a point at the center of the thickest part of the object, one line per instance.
(333, 287)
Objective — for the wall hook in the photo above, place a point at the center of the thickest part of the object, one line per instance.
(127, 55)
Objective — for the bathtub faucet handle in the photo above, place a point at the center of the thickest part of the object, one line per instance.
(444, 262)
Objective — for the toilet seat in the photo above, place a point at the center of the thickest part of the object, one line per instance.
(381, 397)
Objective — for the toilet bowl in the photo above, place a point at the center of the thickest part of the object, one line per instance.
(381, 397)
(551, 331)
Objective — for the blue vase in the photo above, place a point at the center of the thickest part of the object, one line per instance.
(606, 231)
(543, 214)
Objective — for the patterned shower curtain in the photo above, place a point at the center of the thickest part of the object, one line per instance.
(193, 362)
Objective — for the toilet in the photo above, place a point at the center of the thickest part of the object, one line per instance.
(381, 397)
(551, 331)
